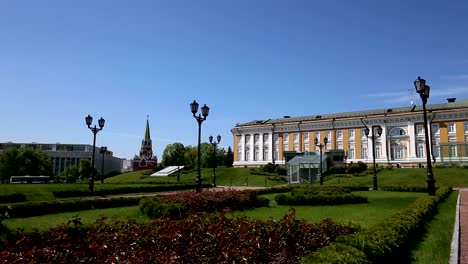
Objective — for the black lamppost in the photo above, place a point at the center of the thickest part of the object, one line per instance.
(95, 130)
(214, 156)
(325, 141)
(103, 150)
(377, 129)
(200, 118)
(423, 91)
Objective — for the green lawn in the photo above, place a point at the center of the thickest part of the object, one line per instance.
(455, 177)
(435, 244)
(381, 205)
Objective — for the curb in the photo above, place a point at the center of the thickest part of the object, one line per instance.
(455, 247)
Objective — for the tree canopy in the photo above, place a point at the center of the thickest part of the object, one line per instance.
(24, 161)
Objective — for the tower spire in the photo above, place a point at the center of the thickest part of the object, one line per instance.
(147, 131)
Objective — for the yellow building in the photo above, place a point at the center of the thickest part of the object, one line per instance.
(402, 141)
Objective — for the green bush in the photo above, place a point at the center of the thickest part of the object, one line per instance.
(262, 202)
(319, 190)
(281, 189)
(403, 188)
(356, 167)
(280, 170)
(337, 253)
(337, 169)
(13, 198)
(153, 207)
(53, 207)
(269, 168)
(311, 200)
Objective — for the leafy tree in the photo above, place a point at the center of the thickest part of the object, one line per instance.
(24, 161)
(229, 158)
(173, 155)
(85, 170)
(73, 174)
(190, 156)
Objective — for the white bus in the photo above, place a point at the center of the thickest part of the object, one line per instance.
(29, 179)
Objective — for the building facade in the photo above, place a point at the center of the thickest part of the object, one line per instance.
(402, 142)
(64, 155)
(146, 159)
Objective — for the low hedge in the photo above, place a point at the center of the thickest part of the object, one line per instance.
(283, 199)
(403, 188)
(385, 242)
(320, 190)
(125, 190)
(281, 189)
(13, 198)
(53, 207)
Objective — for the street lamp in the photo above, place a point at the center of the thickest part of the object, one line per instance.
(214, 156)
(377, 129)
(423, 90)
(325, 141)
(95, 130)
(200, 118)
(103, 150)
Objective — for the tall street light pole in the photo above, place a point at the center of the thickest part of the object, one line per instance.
(318, 144)
(103, 150)
(200, 118)
(423, 90)
(95, 130)
(214, 156)
(374, 136)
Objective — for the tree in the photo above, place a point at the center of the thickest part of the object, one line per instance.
(85, 169)
(190, 156)
(73, 174)
(229, 158)
(173, 155)
(24, 161)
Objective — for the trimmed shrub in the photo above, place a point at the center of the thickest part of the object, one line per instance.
(53, 207)
(337, 253)
(281, 189)
(356, 167)
(319, 190)
(403, 188)
(338, 169)
(283, 199)
(13, 198)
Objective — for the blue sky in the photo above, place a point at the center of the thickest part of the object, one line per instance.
(247, 60)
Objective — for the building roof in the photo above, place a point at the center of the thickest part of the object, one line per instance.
(306, 159)
(288, 119)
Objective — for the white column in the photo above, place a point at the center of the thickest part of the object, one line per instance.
(260, 149)
(271, 147)
(412, 141)
(252, 147)
(383, 143)
(242, 156)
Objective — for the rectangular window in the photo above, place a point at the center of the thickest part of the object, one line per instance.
(339, 134)
(364, 153)
(435, 129)
(266, 137)
(265, 154)
(296, 147)
(296, 137)
(466, 127)
(239, 154)
(239, 140)
(256, 153)
(351, 154)
(453, 150)
(317, 136)
(328, 135)
(276, 138)
(285, 137)
(256, 138)
(451, 127)
(351, 133)
(436, 150)
(306, 147)
(419, 129)
(363, 133)
(420, 151)
(306, 137)
(377, 152)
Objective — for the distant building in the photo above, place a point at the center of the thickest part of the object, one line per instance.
(402, 142)
(64, 155)
(146, 160)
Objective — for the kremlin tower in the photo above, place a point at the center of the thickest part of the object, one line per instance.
(146, 160)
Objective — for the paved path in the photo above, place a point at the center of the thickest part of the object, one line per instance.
(463, 226)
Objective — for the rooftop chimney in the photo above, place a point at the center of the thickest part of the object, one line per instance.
(451, 100)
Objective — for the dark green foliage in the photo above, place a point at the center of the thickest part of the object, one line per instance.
(125, 190)
(211, 239)
(283, 199)
(356, 167)
(270, 168)
(403, 188)
(182, 204)
(13, 198)
(24, 161)
(280, 170)
(320, 190)
(262, 202)
(229, 158)
(337, 169)
(388, 241)
(53, 207)
(281, 189)
(173, 155)
(337, 253)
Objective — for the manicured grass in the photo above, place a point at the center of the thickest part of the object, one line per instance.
(46, 222)
(224, 177)
(455, 177)
(381, 205)
(435, 245)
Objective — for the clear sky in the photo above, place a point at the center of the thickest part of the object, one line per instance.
(124, 60)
